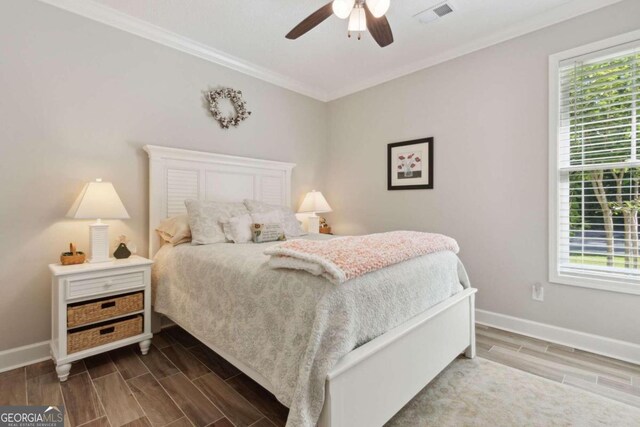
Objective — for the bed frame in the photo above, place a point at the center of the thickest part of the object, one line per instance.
(371, 383)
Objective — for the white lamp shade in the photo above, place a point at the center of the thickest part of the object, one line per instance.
(98, 200)
(378, 7)
(357, 20)
(314, 202)
(342, 8)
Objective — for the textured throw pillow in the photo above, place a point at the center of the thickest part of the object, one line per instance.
(175, 230)
(238, 228)
(267, 232)
(292, 227)
(204, 219)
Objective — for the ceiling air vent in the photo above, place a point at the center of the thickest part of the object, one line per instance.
(443, 9)
(435, 12)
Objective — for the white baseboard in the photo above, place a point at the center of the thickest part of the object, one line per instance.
(22, 356)
(623, 350)
(617, 349)
(26, 355)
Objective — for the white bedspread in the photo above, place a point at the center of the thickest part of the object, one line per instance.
(290, 326)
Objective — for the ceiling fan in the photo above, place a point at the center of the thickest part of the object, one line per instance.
(363, 15)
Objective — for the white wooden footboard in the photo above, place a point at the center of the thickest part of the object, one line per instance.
(370, 384)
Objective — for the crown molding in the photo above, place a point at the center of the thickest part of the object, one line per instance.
(114, 18)
(545, 19)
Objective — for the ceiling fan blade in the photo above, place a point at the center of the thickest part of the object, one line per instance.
(311, 21)
(379, 28)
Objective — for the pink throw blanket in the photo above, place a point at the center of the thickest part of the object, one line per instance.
(345, 258)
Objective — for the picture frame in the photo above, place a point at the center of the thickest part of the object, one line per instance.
(410, 165)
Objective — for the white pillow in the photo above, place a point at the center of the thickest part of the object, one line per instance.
(175, 229)
(238, 228)
(271, 217)
(204, 217)
(292, 227)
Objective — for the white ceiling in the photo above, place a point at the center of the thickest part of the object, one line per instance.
(324, 63)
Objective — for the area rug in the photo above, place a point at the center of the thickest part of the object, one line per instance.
(479, 392)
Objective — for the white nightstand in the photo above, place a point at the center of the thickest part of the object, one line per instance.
(99, 307)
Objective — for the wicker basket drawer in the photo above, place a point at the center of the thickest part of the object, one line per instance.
(104, 333)
(103, 309)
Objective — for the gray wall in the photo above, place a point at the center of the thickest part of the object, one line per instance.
(78, 101)
(488, 113)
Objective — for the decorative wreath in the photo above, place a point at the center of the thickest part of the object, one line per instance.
(235, 96)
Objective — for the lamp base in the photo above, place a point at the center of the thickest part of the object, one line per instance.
(313, 224)
(99, 234)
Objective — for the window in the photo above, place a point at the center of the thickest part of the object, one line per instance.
(595, 166)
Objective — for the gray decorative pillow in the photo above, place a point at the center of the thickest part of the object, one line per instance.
(204, 219)
(267, 232)
(292, 227)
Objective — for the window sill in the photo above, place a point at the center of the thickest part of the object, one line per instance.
(591, 283)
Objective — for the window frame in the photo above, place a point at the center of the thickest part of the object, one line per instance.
(592, 49)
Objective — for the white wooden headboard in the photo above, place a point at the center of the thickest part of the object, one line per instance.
(176, 175)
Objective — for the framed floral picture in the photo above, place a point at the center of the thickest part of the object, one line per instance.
(410, 165)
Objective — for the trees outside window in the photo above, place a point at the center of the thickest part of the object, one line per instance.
(598, 166)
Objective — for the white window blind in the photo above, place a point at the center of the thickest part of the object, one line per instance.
(598, 167)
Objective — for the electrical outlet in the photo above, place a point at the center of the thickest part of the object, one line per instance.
(537, 292)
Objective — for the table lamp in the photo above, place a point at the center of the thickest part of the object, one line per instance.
(313, 203)
(98, 200)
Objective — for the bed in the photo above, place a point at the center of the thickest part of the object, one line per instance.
(363, 384)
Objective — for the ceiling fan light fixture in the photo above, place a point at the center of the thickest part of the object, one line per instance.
(360, 21)
(357, 20)
(342, 8)
(378, 7)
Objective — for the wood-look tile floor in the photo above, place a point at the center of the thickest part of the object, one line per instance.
(182, 383)
(602, 375)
